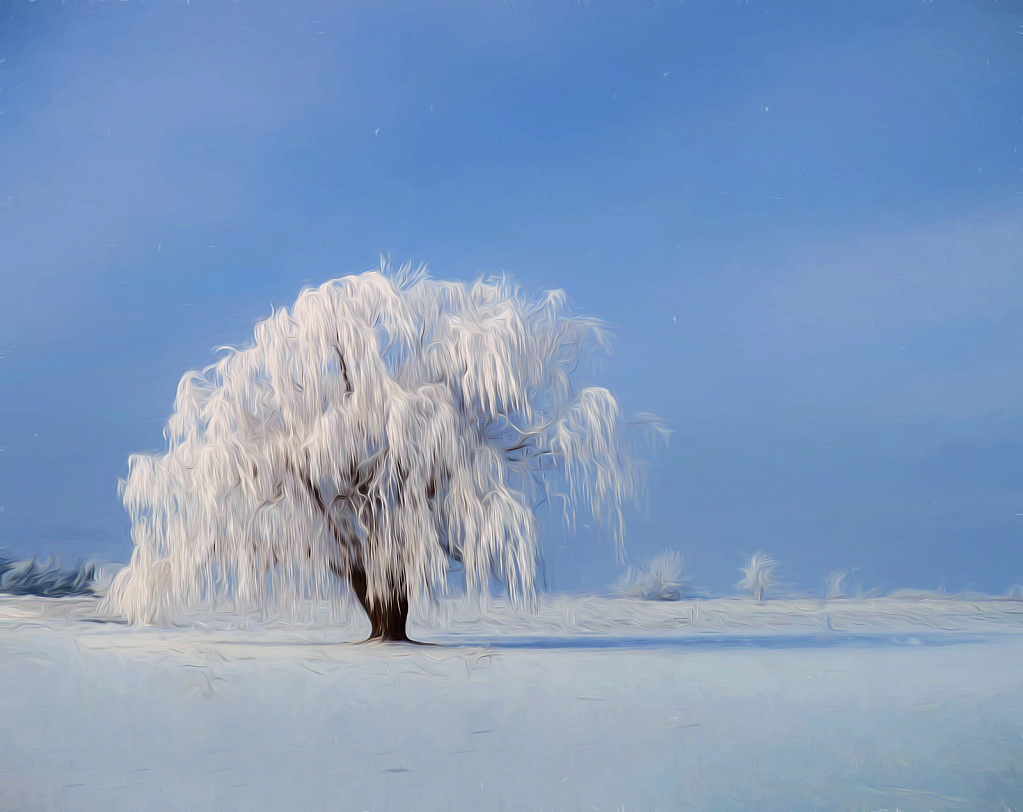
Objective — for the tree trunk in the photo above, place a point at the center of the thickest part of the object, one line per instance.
(388, 618)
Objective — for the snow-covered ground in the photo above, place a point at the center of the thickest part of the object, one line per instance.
(590, 703)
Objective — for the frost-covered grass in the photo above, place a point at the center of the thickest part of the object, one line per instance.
(590, 703)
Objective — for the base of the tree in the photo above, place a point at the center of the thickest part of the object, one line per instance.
(388, 618)
(385, 641)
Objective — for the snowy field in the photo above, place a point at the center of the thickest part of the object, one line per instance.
(589, 704)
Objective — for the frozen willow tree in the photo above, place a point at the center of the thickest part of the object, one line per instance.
(387, 428)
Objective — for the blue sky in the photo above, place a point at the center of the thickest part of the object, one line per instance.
(803, 220)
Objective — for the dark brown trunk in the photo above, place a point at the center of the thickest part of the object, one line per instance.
(388, 618)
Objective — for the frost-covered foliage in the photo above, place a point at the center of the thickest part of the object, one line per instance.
(662, 581)
(48, 579)
(758, 575)
(386, 426)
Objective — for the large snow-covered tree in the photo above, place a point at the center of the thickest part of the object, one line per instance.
(387, 428)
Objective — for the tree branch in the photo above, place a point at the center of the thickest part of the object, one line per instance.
(316, 499)
(344, 368)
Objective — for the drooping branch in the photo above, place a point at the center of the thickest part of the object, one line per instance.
(344, 368)
(345, 545)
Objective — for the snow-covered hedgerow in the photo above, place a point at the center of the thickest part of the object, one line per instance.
(48, 578)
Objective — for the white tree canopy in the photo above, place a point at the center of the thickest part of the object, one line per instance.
(390, 422)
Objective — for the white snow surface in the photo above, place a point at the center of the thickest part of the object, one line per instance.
(589, 703)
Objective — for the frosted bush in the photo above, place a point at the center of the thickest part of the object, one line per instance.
(662, 581)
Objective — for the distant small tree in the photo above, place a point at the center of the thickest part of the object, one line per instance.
(1015, 593)
(387, 428)
(662, 581)
(759, 575)
(834, 585)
